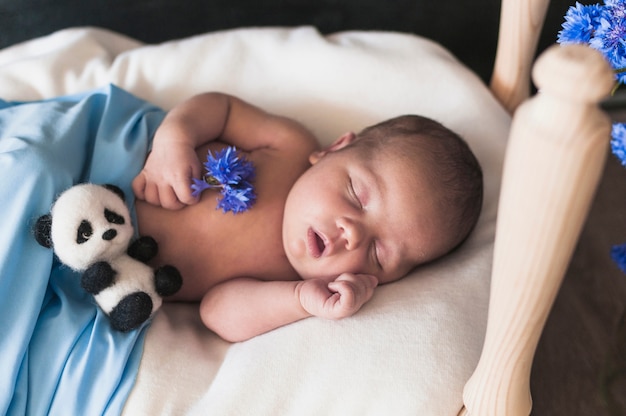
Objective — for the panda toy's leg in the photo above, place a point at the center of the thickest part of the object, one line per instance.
(131, 311)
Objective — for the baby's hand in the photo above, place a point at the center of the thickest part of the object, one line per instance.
(338, 299)
(166, 177)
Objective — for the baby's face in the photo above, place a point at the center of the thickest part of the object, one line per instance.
(353, 214)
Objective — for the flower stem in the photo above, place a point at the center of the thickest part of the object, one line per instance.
(615, 88)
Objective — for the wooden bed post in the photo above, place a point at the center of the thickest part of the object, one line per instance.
(554, 161)
(520, 25)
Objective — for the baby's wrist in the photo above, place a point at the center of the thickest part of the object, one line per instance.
(305, 294)
(300, 296)
(174, 133)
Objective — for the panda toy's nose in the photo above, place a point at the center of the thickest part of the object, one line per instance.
(109, 235)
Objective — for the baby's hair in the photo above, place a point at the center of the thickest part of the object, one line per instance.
(451, 168)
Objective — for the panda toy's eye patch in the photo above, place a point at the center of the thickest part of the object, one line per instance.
(112, 217)
(85, 231)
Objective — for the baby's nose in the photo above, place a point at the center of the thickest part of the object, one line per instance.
(352, 232)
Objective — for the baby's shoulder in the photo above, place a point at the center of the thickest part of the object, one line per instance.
(286, 163)
(291, 144)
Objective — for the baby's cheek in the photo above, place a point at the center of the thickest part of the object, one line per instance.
(395, 275)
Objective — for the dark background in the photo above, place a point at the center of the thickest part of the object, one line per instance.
(584, 343)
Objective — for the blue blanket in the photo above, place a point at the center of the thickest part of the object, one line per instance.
(58, 354)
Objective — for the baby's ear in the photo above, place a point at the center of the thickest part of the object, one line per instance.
(343, 141)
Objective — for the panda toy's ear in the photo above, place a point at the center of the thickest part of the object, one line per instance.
(42, 230)
(116, 190)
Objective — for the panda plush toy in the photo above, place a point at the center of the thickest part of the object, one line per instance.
(90, 230)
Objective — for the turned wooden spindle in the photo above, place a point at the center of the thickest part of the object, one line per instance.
(554, 160)
(520, 26)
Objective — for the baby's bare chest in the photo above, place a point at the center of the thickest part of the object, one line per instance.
(209, 246)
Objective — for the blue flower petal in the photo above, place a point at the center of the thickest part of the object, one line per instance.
(236, 199)
(610, 39)
(618, 141)
(616, 8)
(228, 167)
(618, 254)
(198, 186)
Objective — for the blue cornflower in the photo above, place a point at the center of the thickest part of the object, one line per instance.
(616, 8)
(227, 167)
(233, 175)
(610, 39)
(580, 23)
(237, 199)
(603, 27)
(618, 141)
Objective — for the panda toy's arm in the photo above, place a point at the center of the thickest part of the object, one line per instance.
(143, 249)
(98, 277)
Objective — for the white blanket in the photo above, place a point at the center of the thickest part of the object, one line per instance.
(410, 350)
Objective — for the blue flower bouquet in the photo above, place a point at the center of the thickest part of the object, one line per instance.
(232, 174)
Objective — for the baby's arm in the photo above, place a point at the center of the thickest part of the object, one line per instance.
(166, 177)
(240, 309)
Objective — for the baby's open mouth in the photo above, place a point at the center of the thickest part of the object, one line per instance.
(320, 243)
(316, 243)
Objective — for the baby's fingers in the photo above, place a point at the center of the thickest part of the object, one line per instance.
(151, 193)
(139, 186)
(361, 282)
(168, 198)
(154, 194)
(353, 291)
(183, 192)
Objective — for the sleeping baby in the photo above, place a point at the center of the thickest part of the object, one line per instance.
(327, 225)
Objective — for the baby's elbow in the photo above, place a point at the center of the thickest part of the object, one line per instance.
(214, 318)
(228, 334)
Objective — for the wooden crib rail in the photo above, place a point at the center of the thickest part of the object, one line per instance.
(558, 145)
(520, 27)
